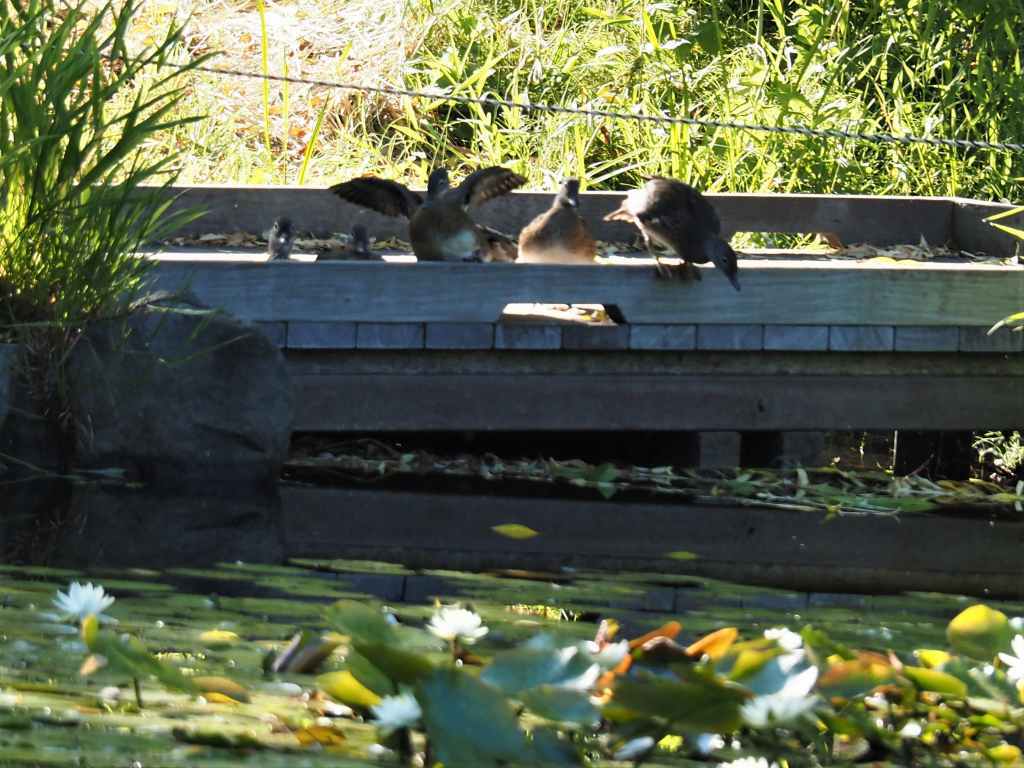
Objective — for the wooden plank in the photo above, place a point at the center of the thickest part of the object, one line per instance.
(366, 403)
(523, 336)
(595, 337)
(978, 340)
(642, 362)
(796, 338)
(663, 337)
(460, 335)
(924, 339)
(973, 234)
(307, 335)
(389, 336)
(774, 292)
(785, 547)
(730, 337)
(276, 331)
(886, 220)
(865, 338)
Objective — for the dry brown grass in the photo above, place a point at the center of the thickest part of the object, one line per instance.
(355, 41)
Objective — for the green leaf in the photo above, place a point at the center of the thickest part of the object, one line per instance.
(527, 667)
(935, 681)
(549, 749)
(367, 674)
(361, 622)
(979, 632)
(700, 705)
(469, 723)
(130, 658)
(561, 704)
(401, 666)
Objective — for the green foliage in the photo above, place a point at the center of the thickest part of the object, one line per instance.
(72, 204)
(895, 66)
(469, 723)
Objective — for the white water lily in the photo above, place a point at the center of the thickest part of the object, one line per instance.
(749, 762)
(454, 623)
(83, 600)
(706, 743)
(634, 748)
(776, 709)
(394, 712)
(610, 655)
(1014, 662)
(786, 638)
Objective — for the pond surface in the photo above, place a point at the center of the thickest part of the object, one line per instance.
(52, 716)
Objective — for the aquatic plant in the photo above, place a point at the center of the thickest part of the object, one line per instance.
(537, 695)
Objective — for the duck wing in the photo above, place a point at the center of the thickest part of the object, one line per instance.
(381, 195)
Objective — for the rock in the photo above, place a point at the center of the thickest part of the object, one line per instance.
(30, 461)
(178, 396)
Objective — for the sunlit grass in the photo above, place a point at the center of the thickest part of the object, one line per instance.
(890, 68)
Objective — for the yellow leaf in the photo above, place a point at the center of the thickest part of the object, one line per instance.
(1005, 753)
(681, 555)
(715, 644)
(216, 638)
(90, 626)
(979, 631)
(932, 658)
(343, 686)
(218, 698)
(220, 685)
(320, 735)
(514, 531)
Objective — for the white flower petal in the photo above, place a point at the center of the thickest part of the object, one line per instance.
(634, 748)
(394, 712)
(81, 601)
(452, 622)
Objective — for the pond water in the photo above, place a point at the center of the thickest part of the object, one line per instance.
(50, 715)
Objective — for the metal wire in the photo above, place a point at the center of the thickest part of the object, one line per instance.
(798, 130)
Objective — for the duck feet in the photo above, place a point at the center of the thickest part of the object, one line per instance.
(684, 270)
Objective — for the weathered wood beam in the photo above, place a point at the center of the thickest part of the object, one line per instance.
(370, 403)
(774, 292)
(884, 220)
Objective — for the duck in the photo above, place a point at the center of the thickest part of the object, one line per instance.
(440, 227)
(674, 215)
(281, 239)
(357, 250)
(559, 235)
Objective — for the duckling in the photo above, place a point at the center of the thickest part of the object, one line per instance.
(358, 249)
(279, 244)
(559, 235)
(675, 215)
(440, 227)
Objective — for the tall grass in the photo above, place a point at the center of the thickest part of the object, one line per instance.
(72, 204)
(78, 194)
(890, 66)
(899, 66)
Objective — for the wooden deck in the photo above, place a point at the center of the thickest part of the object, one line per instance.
(809, 343)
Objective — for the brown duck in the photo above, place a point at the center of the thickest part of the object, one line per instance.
(559, 235)
(440, 227)
(674, 215)
(357, 250)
